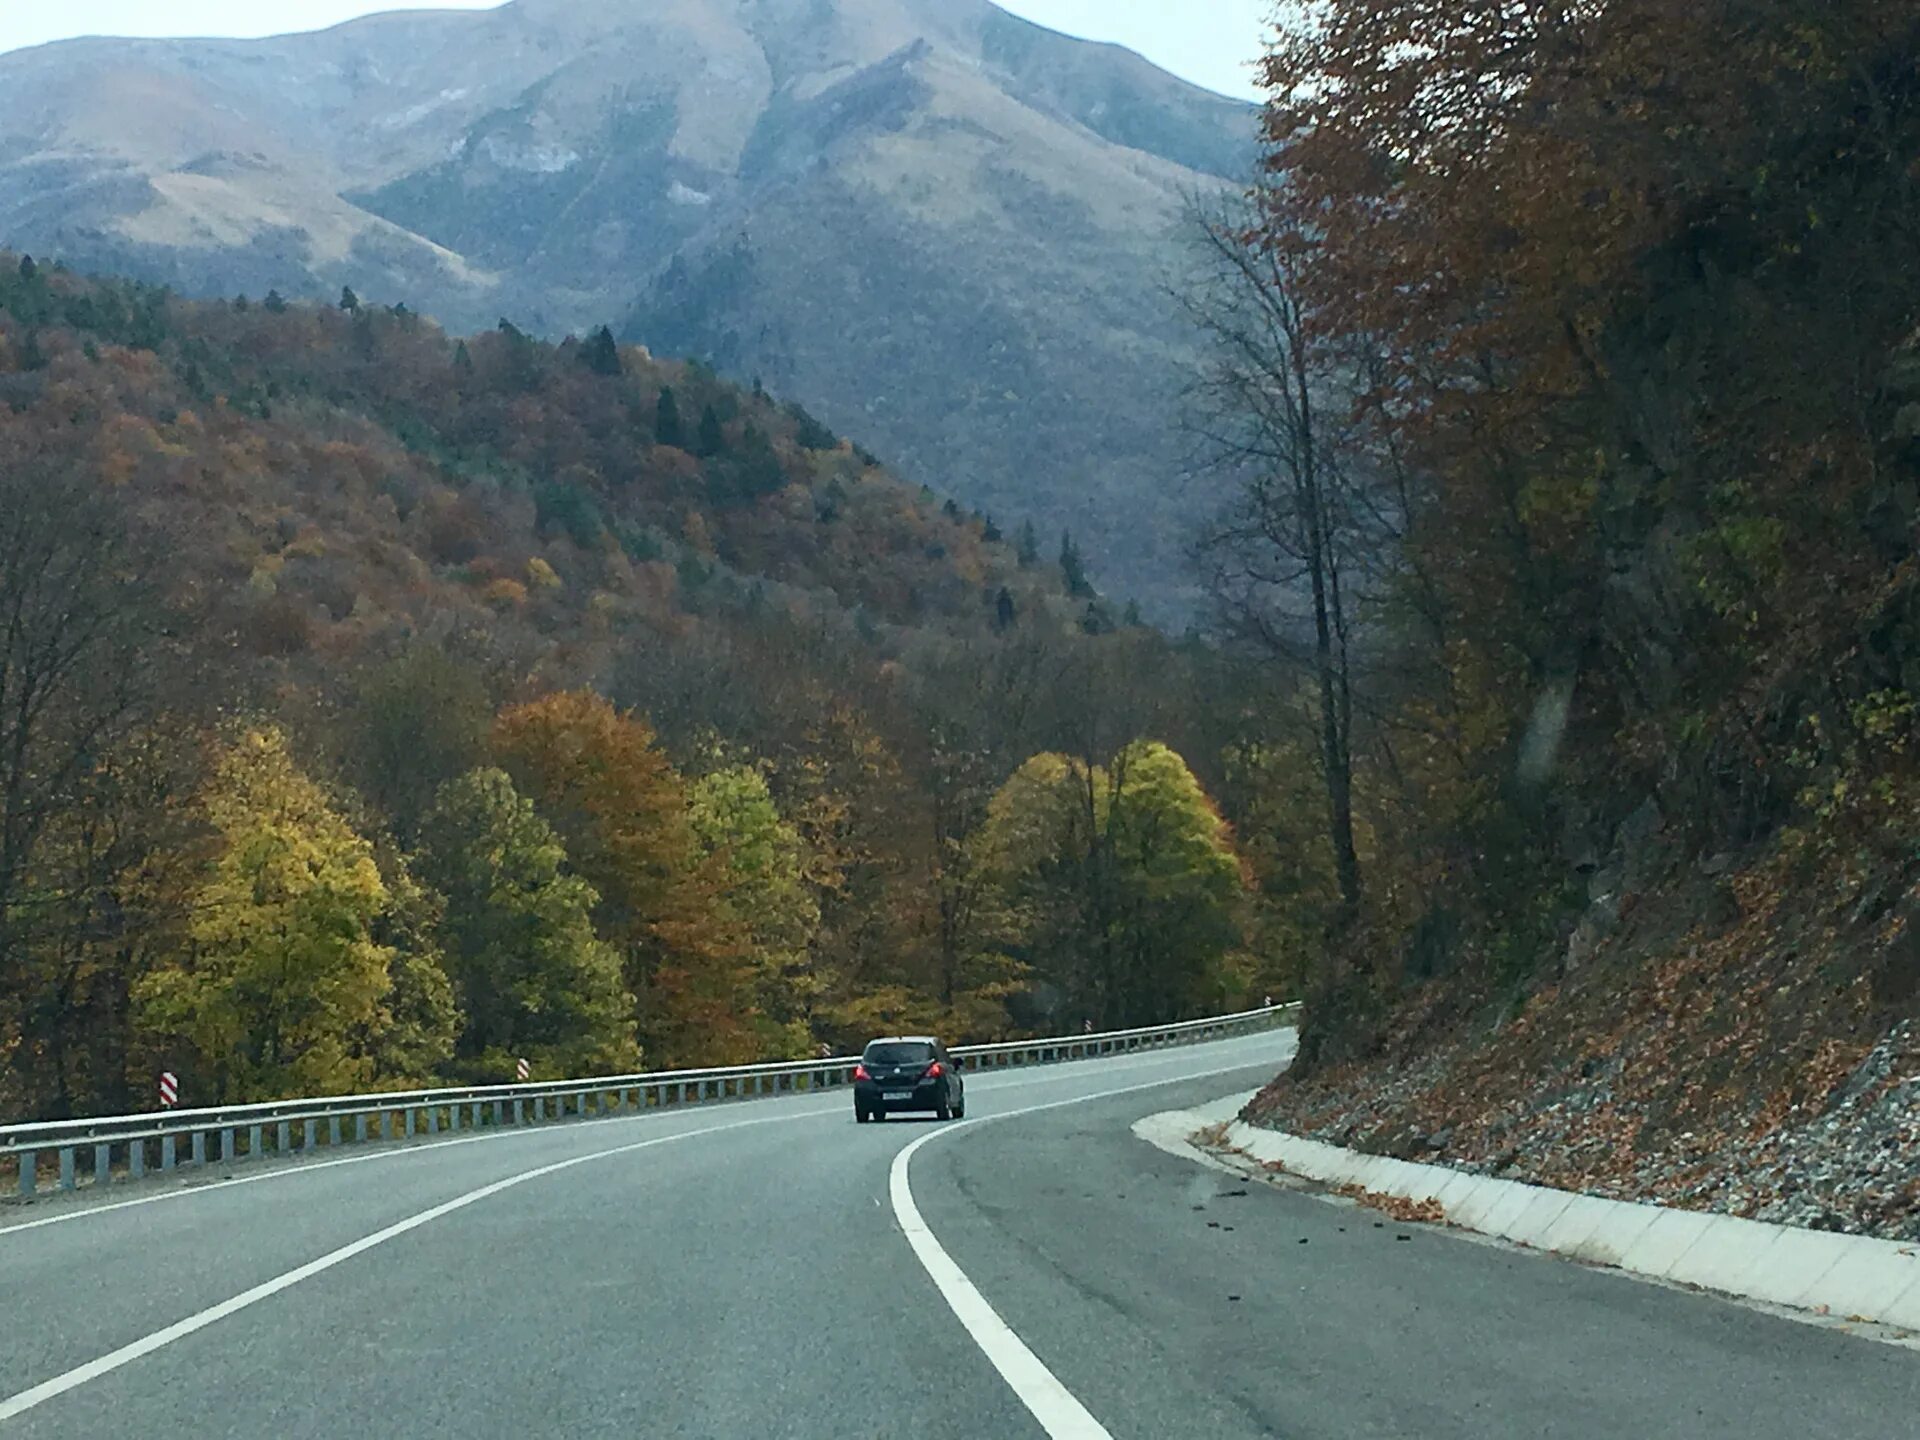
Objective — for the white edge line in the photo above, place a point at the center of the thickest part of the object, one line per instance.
(1058, 1410)
(26, 1400)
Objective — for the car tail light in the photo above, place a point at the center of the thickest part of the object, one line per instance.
(860, 1073)
(934, 1072)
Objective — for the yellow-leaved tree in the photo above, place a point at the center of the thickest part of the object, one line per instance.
(765, 888)
(1121, 887)
(281, 974)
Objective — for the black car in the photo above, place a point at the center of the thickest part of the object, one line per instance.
(907, 1072)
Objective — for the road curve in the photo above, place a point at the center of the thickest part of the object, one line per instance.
(769, 1268)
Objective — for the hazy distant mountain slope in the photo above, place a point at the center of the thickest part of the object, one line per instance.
(947, 230)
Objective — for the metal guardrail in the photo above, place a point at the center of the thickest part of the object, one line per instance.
(253, 1131)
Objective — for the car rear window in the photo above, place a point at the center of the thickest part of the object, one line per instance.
(899, 1052)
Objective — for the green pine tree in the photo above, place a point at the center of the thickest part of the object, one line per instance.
(667, 428)
(1073, 568)
(1029, 550)
(712, 438)
(601, 355)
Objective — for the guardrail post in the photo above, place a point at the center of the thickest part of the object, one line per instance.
(29, 1171)
(310, 1133)
(253, 1142)
(197, 1148)
(226, 1145)
(360, 1127)
(103, 1164)
(539, 1108)
(433, 1119)
(282, 1138)
(333, 1129)
(500, 1110)
(166, 1152)
(66, 1167)
(137, 1159)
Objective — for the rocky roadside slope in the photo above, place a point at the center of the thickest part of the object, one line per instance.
(1743, 1041)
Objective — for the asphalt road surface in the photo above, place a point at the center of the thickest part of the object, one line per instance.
(768, 1268)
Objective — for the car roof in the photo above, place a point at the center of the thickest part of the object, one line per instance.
(890, 1039)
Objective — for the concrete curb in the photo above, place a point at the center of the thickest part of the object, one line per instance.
(1847, 1276)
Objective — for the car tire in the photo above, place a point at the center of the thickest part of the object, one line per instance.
(960, 1111)
(861, 1117)
(945, 1112)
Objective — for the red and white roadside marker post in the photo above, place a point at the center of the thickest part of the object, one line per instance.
(169, 1097)
(522, 1070)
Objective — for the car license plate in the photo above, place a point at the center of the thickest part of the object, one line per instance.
(897, 1095)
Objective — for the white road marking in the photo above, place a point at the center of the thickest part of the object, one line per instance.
(47, 1390)
(1058, 1410)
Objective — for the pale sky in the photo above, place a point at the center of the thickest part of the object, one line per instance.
(1207, 41)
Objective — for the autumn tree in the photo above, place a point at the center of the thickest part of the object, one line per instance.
(1277, 407)
(1641, 342)
(532, 977)
(283, 970)
(419, 720)
(81, 647)
(767, 889)
(974, 975)
(411, 1040)
(1122, 884)
(600, 776)
(114, 880)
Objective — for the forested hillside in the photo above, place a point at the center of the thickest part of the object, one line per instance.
(944, 228)
(1580, 346)
(377, 706)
